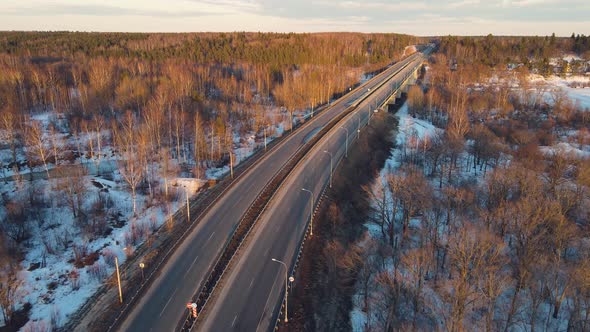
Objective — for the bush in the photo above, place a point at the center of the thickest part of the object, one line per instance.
(74, 277)
(98, 271)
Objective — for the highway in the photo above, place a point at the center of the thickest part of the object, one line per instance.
(255, 284)
(164, 303)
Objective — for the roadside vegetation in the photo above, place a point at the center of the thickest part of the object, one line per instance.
(104, 135)
(480, 217)
(322, 295)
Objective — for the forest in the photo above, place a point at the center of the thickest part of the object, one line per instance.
(100, 131)
(480, 219)
(213, 81)
(533, 52)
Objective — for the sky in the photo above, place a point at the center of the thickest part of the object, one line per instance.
(425, 18)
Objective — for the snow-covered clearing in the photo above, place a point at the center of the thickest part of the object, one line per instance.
(579, 95)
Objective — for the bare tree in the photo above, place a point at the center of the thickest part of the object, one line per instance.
(9, 126)
(36, 145)
(70, 182)
(131, 166)
(9, 284)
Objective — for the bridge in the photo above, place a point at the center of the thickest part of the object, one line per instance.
(257, 277)
(402, 87)
(223, 260)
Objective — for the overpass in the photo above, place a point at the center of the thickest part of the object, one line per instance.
(402, 87)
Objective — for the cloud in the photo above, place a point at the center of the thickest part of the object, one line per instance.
(430, 17)
(464, 3)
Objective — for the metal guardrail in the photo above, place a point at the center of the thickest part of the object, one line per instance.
(249, 219)
(201, 205)
(295, 261)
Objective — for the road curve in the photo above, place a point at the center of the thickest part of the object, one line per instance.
(255, 284)
(164, 303)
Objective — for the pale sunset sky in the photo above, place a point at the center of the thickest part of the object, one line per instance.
(427, 17)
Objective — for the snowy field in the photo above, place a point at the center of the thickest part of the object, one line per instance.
(579, 95)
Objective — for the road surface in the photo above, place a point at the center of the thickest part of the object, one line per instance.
(255, 285)
(164, 303)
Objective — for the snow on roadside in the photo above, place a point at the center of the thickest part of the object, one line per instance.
(51, 282)
(410, 130)
(410, 127)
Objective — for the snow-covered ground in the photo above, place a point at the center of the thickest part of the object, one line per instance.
(578, 151)
(410, 132)
(53, 281)
(580, 96)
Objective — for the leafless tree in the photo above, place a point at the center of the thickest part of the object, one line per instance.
(9, 284)
(37, 147)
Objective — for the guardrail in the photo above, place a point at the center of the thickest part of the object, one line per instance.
(199, 207)
(295, 259)
(259, 205)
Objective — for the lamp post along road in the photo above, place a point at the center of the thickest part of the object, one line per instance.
(287, 279)
(119, 280)
(142, 266)
(264, 138)
(346, 143)
(231, 164)
(330, 153)
(310, 211)
(358, 130)
(188, 208)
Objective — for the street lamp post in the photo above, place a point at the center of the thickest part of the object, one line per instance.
(231, 164)
(142, 266)
(119, 280)
(310, 211)
(287, 280)
(358, 130)
(330, 153)
(346, 151)
(188, 207)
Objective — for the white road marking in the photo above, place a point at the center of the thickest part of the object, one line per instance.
(210, 236)
(167, 303)
(234, 322)
(252, 282)
(190, 267)
(266, 304)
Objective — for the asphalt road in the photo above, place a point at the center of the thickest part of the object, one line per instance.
(255, 284)
(164, 304)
